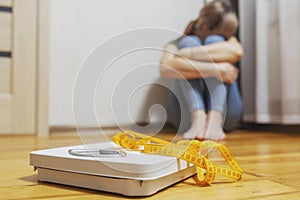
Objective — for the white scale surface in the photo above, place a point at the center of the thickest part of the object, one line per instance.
(137, 173)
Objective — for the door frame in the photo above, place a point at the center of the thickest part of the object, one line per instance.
(23, 100)
(43, 50)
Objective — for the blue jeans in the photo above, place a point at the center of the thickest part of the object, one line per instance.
(206, 94)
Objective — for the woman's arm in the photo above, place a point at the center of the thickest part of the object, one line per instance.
(228, 51)
(173, 66)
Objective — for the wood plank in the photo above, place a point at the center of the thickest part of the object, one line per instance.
(289, 179)
(6, 3)
(276, 174)
(183, 190)
(237, 190)
(287, 196)
(5, 75)
(44, 191)
(5, 31)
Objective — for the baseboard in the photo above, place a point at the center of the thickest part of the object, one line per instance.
(65, 128)
(279, 128)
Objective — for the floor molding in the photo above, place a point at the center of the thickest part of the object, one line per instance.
(60, 129)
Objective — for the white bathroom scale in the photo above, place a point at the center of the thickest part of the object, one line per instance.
(107, 167)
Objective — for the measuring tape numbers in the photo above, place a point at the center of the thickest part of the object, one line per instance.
(192, 151)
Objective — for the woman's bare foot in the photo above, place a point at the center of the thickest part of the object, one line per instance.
(214, 130)
(197, 129)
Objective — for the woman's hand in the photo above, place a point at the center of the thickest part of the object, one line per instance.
(228, 73)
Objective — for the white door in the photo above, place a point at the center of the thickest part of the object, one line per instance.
(18, 67)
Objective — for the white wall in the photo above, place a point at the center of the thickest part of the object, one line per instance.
(78, 26)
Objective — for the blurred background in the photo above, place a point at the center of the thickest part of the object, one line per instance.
(43, 45)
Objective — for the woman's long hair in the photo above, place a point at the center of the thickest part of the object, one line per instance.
(211, 15)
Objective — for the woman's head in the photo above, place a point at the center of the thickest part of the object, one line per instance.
(217, 17)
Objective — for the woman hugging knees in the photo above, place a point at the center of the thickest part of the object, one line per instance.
(201, 62)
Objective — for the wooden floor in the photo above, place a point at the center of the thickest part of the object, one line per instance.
(271, 162)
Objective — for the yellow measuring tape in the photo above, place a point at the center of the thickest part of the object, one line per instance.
(192, 151)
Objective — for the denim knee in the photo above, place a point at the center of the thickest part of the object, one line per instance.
(189, 41)
(213, 39)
